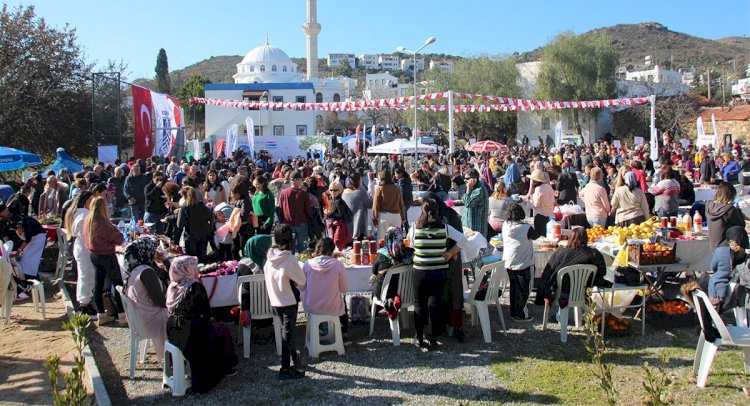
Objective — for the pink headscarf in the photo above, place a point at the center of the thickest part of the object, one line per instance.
(183, 272)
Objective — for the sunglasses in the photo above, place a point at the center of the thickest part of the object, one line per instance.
(334, 190)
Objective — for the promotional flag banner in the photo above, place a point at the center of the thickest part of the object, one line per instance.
(231, 144)
(218, 148)
(713, 124)
(701, 130)
(374, 135)
(558, 134)
(166, 123)
(250, 133)
(143, 146)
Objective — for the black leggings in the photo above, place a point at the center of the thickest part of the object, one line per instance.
(106, 268)
(429, 286)
(540, 224)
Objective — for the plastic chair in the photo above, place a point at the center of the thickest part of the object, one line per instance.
(405, 290)
(10, 294)
(312, 334)
(37, 296)
(579, 276)
(63, 257)
(740, 312)
(260, 308)
(729, 336)
(498, 279)
(138, 342)
(176, 370)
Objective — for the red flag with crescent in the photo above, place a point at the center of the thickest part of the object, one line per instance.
(142, 108)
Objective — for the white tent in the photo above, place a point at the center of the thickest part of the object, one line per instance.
(401, 146)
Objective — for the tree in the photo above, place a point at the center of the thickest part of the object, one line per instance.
(491, 76)
(163, 83)
(110, 106)
(45, 93)
(672, 115)
(343, 69)
(194, 87)
(577, 68)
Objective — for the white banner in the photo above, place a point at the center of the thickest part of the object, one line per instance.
(107, 153)
(713, 124)
(196, 148)
(230, 143)
(699, 124)
(250, 134)
(374, 136)
(639, 140)
(704, 140)
(558, 134)
(617, 143)
(166, 123)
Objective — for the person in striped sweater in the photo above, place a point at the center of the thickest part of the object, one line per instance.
(429, 236)
(666, 193)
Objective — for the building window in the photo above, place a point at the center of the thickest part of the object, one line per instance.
(278, 130)
(283, 69)
(301, 130)
(252, 68)
(262, 68)
(301, 99)
(545, 123)
(273, 68)
(257, 130)
(278, 99)
(336, 98)
(318, 97)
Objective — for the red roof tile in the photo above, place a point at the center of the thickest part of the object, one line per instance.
(738, 113)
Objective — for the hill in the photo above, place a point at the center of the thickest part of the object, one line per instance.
(635, 41)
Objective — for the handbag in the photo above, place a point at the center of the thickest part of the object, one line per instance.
(571, 208)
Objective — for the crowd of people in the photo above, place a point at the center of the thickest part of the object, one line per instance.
(261, 212)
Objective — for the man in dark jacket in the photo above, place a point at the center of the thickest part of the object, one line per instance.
(19, 203)
(135, 191)
(707, 169)
(155, 208)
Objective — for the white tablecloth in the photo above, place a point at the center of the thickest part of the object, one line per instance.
(226, 290)
(694, 253)
(703, 194)
(358, 277)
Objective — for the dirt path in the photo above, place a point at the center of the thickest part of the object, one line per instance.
(26, 342)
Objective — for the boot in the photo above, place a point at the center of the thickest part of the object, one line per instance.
(103, 318)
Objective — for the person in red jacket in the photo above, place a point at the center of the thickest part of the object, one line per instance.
(296, 209)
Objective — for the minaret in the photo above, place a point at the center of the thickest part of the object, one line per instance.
(312, 29)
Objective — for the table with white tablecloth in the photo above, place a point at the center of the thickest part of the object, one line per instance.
(704, 194)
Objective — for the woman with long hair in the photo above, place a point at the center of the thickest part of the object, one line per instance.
(198, 223)
(388, 208)
(722, 214)
(74, 221)
(429, 236)
(101, 238)
(213, 191)
(242, 201)
(499, 203)
(172, 203)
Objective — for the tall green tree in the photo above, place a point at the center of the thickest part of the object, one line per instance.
(343, 69)
(486, 75)
(45, 86)
(196, 114)
(578, 68)
(163, 83)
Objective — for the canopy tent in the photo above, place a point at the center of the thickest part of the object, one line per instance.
(64, 160)
(5, 193)
(401, 146)
(485, 146)
(12, 159)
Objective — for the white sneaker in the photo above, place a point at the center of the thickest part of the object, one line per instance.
(21, 296)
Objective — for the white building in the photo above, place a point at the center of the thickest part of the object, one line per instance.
(742, 89)
(655, 75)
(370, 61)
(384, 85)
(389, 62)
(444, 66)
(407, 63)
(334, 60)
(385, 79)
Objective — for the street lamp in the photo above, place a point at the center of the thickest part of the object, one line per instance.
(260, 112)
(401, 49)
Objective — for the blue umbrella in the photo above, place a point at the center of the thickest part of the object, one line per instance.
(10, 159)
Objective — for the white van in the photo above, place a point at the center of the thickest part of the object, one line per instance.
(576, 139)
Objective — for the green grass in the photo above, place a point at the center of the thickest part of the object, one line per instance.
(554, 374)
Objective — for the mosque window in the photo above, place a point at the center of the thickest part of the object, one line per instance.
(252, 68)
(273, 68)
(318, 97)
(262, 68)
(336, 98)
(283, 69)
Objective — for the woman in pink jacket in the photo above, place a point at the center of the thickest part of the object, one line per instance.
(596, 199)
(326, 284)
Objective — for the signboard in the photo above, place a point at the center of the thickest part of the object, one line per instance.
(684, 142)
(704, 140)
(107, 153)
(639, 140)
(617, 143)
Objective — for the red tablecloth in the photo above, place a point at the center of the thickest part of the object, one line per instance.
(51, 232)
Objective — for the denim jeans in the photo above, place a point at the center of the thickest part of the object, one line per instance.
(106, 268)
(288, 316)
(301, 234)
(137, 211)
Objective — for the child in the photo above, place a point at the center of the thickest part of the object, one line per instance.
(282, 272)
(222, 245)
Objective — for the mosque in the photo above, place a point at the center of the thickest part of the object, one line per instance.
(267, 73)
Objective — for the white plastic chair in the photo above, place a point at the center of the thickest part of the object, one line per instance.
(312, 334)
(10, 294)
(498, 279)
(579, 276)
(729, 336)
(260, 308)
(37, 296)
(740, 312)
(138, 342)
(63, 258)
(405, 291)
(176, 370)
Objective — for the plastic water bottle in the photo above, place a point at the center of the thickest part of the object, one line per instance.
(133, 227)
(123, 229)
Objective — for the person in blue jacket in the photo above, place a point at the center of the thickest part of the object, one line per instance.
(728, 261)
(731, 168)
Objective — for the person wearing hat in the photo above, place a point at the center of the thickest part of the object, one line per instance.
(542, 200)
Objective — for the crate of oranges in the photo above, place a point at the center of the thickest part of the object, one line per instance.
(613, 325)
(652, 253)
(670, 313)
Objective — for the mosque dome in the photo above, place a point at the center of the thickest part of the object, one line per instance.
(266, 63)
(266, 53)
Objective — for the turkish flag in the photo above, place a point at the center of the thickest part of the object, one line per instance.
(219, 148)
(142, 108)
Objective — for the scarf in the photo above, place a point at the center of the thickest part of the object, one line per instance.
(140, 252)
(183, 272)
(394, 246)
(257, 248)
(630, 180)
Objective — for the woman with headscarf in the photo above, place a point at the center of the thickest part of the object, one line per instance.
(392, 255)
(629, 204)
(145, 284)
(728, 260)
(206, 345)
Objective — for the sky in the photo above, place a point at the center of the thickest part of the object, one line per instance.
(191, 30)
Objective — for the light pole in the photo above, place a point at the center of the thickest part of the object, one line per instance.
(260, 112)
(429, 41)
